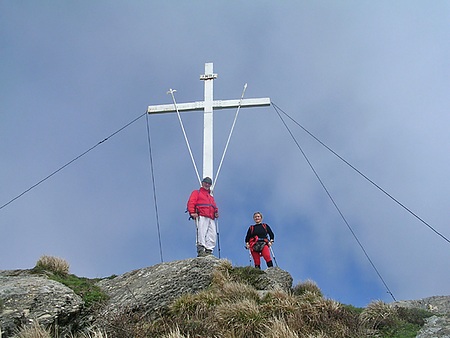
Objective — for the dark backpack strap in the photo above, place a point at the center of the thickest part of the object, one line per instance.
(265, 228)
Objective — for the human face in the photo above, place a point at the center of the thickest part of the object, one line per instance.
(206, 185)
(257, 218)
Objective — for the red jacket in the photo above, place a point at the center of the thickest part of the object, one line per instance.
(202, 203)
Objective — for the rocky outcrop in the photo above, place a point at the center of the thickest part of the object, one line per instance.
(277, 279)
(153, 288)
(437, 326)
(439, 305)
(25, 298)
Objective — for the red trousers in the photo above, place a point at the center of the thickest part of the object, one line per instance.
(257, 255)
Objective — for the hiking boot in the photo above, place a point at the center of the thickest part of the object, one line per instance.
(201, 251)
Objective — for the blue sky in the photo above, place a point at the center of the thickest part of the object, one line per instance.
(370, 80)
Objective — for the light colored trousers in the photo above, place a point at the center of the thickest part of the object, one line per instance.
(206, 232)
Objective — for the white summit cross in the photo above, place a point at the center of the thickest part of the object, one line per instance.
(207, 106)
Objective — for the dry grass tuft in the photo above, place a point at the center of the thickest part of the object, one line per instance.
(318, 317)
(197, 306)
(236, 291)
(33, 331)
(221, 273)
(307, 286)
(240, 319)
(277, 327)
(37, 330)
(131, 323)
(52, 264)
(175, 333)
(378, 315)
(91, 333)
(280, 304)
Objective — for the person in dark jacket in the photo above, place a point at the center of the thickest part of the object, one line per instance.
(258, 240)
(203, 209)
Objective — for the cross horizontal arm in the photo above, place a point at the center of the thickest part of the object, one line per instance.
(222, 104)
(200, 105)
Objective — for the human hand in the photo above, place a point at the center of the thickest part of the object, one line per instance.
(194, 215)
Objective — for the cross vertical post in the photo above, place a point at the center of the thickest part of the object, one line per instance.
(208, 130)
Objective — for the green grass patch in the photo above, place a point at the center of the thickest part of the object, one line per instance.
(247, 275)
(353, 309)
(84, 287)
(401, 330)
(409, 323)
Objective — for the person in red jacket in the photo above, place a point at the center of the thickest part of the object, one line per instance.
(203, 209)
